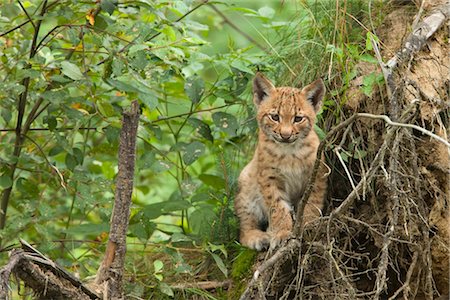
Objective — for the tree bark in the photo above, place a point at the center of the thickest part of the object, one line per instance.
(110, 273)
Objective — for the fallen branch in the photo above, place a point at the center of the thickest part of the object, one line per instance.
(42, 275)
(203, 285)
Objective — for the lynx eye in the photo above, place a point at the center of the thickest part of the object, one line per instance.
(275, 117)
(298, 119)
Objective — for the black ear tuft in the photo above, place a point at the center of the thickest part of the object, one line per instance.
(314, 93)
(262, 88)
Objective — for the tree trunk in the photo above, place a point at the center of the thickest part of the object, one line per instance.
(110, 273)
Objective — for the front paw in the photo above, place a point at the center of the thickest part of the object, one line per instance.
(278, 237)
(256, 239)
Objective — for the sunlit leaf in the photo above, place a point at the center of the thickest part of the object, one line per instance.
(266, 12)
(71, 70)
(158, 265)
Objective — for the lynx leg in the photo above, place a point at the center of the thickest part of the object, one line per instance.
(251, 215)
(280, 222)
(280, 219)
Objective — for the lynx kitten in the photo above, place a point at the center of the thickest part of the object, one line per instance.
(271, 185)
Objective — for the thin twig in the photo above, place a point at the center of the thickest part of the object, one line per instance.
(15, 28)
(26, 13)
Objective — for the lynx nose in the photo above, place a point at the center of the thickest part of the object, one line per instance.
(285, 135)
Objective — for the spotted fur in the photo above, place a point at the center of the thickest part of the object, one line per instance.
(271, 185)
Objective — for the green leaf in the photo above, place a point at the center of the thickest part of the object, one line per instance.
(78, 154)
(192, 69)
(143, 229)
(212, 180)
(194, 88)
(55, 150)
(220, 264)
(202, 218)
(5, 181)
(200, 197)
(240, 65)
(71, 70)
(192, 152)
(179, 237)
(369, 37)
(369, 82)
(51, 122)
(170, 33)
(136, 48)
(245, 10)
(112, 134)
(160, 166)
(71, 161)
(108, 6)
(88, 229)
(220, 247)
(166, 289)
(369, 58)
(122, 86)
(149, 100)
(170, 206)
(153, 211)
(6, 115)
(241, 83)
(319, 132)
(201, 128)
(266, 12)
(105, 108)
(100, 22)
(158, 265)
(226, 122)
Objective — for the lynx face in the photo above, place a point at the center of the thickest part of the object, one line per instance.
(286, 114)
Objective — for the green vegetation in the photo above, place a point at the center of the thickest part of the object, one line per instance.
(69, 68)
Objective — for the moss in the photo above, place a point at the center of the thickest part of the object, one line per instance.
(243, 263)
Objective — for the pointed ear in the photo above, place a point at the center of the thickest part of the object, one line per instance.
(314, 93)
(262, 88)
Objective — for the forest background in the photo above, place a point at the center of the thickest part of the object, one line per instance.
(69, 68)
